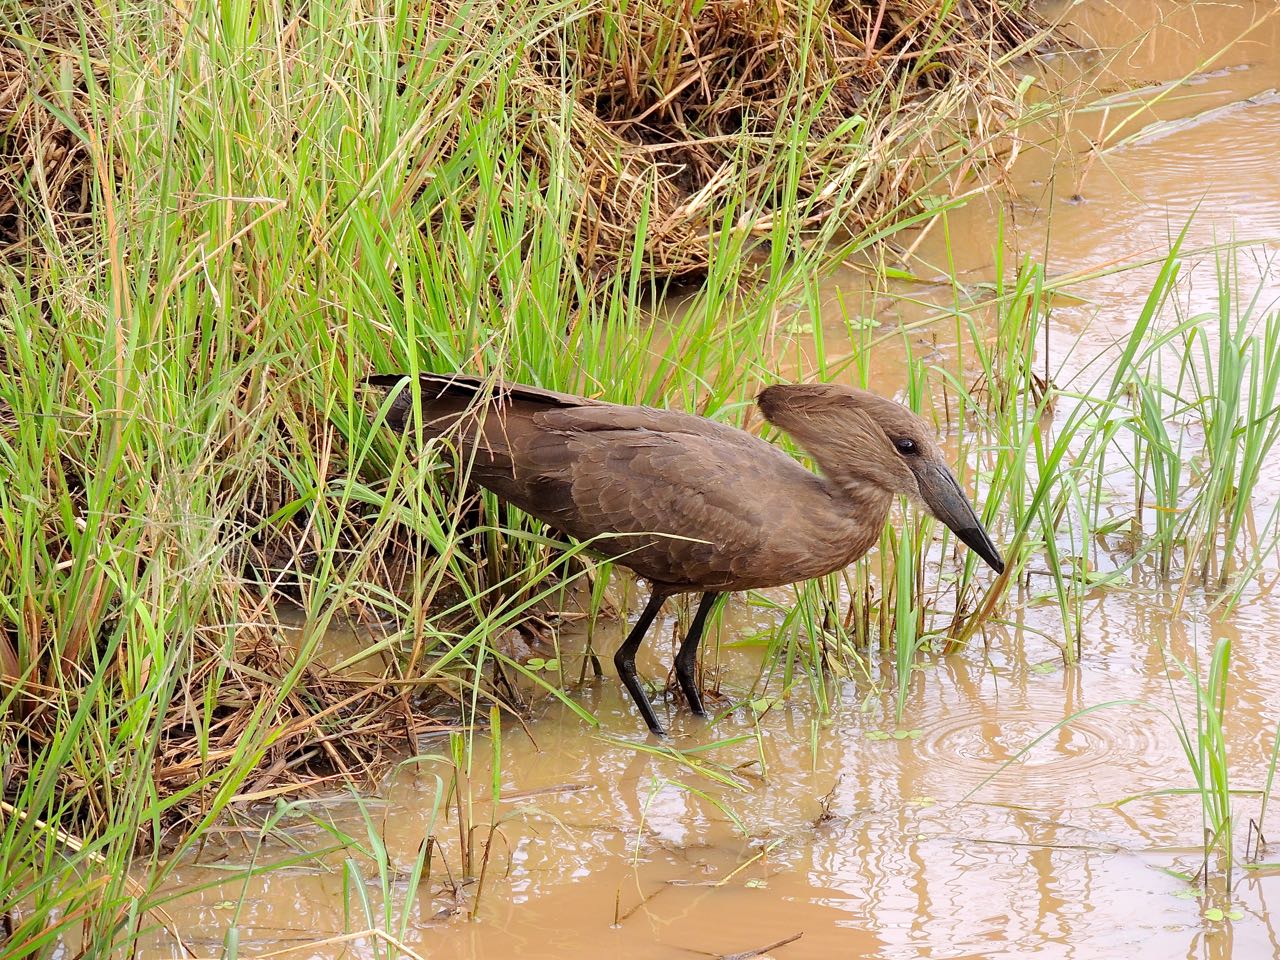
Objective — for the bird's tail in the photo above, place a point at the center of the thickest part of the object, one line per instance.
(444, 400)
(445, 397)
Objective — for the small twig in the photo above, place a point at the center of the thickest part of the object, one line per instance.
(643, 900)
(748, 954)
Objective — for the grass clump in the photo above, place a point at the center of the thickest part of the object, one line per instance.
(661, 122)
(215, 219)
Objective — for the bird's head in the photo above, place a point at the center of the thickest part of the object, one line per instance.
(862, 440)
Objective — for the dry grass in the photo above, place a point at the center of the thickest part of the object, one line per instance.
(682, 98)
(675, 115)
(45, 175)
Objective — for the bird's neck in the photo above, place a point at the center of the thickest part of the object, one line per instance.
(862, 496)
(865, 503)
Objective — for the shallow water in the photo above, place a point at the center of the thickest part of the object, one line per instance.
(868, 847)
(966, 837)
(1110, 188)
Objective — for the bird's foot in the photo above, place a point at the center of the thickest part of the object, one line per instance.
(693, 697)
(656, 728)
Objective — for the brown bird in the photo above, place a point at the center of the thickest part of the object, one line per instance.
(690, 504)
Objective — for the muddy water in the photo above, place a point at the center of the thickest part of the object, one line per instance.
(931, 843)
(1174, 126)
(868, 847)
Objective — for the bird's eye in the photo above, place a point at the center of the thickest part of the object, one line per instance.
(905, 445)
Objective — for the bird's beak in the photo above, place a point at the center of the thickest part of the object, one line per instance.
(946, 501)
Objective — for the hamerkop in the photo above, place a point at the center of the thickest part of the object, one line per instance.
(693, 505)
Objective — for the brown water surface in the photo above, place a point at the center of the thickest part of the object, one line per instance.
(933, 844)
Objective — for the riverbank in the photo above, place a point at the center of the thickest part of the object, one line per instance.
(294, 198)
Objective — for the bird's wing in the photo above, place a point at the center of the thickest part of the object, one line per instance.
(694, 485)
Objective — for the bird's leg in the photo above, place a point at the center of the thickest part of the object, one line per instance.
(687, 655)
(625, 661)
